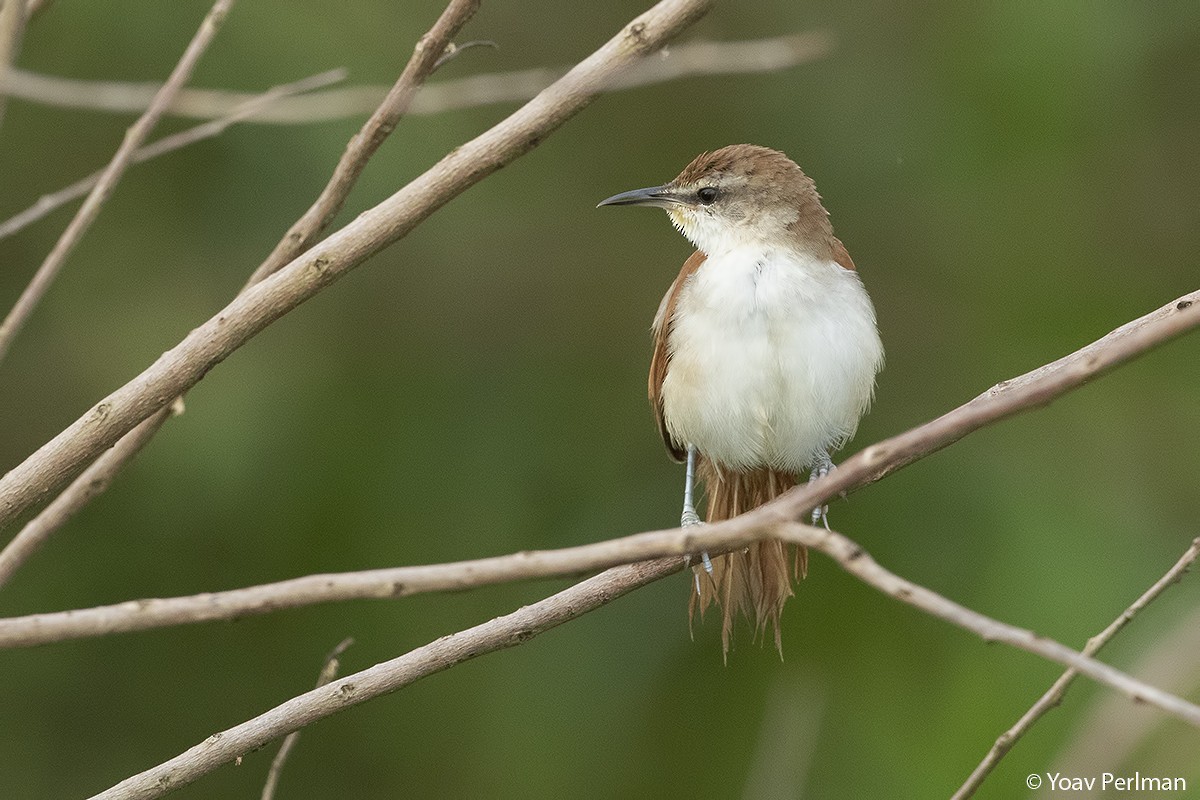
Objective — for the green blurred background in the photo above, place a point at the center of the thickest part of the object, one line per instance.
(1013, 179)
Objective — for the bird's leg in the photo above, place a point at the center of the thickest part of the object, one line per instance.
(821, 467)
(689, 516)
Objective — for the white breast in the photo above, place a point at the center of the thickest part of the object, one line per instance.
(773, 359)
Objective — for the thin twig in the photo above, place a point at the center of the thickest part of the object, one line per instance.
(454, 50)
(502, 632)
(255, 309)
(328, 672)
(1032, 389)
(693, 59)
(427, 55)
(1054, 694)
(112, 173)
(205, 130)
(1108, 733)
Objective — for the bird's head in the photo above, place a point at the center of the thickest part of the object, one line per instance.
(741, 195)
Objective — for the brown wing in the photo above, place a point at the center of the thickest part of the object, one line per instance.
(841, 256)
(660, 360)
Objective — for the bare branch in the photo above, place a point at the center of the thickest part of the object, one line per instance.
(394, 582)
(298, 712)
(182, 367)
(1032, 390)
(714, 538)
(859, 563)
(328, 672)
(1054, 694)
(91, 482)
(1109, 733)
(699, 58)
(205, 130)
(79, 493)
(502, 632)
(1035, 388)
(426, 57)
(12, 28)
(112, 174)
(294, 104)
(531, 620)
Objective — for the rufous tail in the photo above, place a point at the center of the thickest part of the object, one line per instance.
(757, 580)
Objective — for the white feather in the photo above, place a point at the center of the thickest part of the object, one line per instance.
(773, 357)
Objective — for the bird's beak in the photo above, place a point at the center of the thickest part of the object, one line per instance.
(660, 196)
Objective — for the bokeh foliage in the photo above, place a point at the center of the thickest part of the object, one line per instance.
(1013, 179)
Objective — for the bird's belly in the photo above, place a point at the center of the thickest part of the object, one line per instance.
(773, 381)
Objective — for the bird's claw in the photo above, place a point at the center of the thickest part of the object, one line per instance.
(689, 519)
(824, 466)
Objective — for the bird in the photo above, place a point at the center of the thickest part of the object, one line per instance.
(765, 355)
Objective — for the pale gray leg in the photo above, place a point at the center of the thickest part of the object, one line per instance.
(821, 467)
(689, 516)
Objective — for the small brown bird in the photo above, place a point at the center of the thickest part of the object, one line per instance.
(765, 356)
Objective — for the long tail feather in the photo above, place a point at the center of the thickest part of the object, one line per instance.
(754, 582)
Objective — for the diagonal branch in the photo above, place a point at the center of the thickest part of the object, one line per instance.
(859, 563)
(507, 631)
(253, 105)
(328, 672)
(696, 58)
(295, 103)
(427, 57)
(83, 488)
(1108, 733)
(1055, 693)
(93, 481)
(715, 538)
(187, 363)
(524, 624)
(521, 625)
(104, 187)
(1035, 388)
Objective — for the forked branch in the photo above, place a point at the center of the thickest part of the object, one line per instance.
(527, 622)
(1033, 389)
(185, 365)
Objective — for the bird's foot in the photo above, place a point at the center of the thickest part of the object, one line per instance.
(689, 519)
(823, 467)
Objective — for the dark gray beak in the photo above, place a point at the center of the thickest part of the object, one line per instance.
(659, 196)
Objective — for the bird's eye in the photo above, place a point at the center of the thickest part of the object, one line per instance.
(707, 195)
